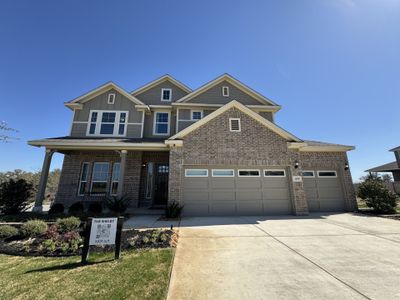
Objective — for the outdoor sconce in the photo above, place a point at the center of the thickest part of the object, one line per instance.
(143, 165)
(296, 164)
(346, 166)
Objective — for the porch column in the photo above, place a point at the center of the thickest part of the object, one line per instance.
(120, 190)
(43, 181)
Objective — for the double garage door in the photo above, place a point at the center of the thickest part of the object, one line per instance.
(212, 190)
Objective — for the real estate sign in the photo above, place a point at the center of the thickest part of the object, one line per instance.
(103, 231)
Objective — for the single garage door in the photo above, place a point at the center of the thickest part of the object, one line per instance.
(212, 190)
(323, 191)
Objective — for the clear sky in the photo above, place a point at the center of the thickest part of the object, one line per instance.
(333, 65)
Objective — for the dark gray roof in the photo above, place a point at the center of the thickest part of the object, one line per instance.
(395, 149)
(393, 166)
(318, 143)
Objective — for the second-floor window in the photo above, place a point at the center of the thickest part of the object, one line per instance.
(161, 123)
(166, 94)
(107, 123)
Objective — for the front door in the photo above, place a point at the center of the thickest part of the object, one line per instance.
(161, 184)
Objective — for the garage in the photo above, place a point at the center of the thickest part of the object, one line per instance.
(213, 190)
(323, 191)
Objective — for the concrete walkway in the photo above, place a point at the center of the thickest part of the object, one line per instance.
(342, 256)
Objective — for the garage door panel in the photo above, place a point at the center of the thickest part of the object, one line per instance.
(248, 183)
(222, 208)
(195, 209)
(222, 195)
(328, 183)
(276, 194)
(195, 195)
(250, 208)
(273, 183)
(329, 192)
(333, 204)
(248, 195)
(222, 183)
(313, 205)
(192, 183)
(277, 207)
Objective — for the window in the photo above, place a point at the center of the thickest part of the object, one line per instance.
(222, 173)
(166, 94)
(274, 173)
(111, 99)
(225, 91)
(107, 123)
(161, 123)
(327, 174)
(115, 179)
(234, 124)
(99, 178)
(83, 179)
(196, 115)
(149, 180)
(307, 173)
(196, 173)
(249, 173)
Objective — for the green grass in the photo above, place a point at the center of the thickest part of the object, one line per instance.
(25, 216)
(137, 275)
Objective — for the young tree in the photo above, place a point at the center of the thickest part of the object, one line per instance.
(15, 196)
(3, 136)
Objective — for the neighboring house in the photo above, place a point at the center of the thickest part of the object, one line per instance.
(392, 167)
(216, 150)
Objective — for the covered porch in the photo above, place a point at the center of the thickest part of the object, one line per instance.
(95, 168)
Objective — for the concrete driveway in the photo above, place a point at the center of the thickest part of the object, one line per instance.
(340, 256)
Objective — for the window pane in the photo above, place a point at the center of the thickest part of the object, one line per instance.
(162, 117)
(121, 129)
(250, 173)
(223, 173)
(307, 174)
(82, 188)
(115, 172)
(280, 173)
(108, 117)
(94, 117)
(84, 172)
(92, 128)
(196, 172)
(99, 187)
(114, 188)
(122, 118)
(100, 172)
(326, 173)
(107, 129)
(162, 128)
(196, 115)
(166, 94)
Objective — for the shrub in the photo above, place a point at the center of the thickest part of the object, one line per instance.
(76, 208)
(95, 207)
(117, 204)
(377, 196)
(173, 210)
(7, 231)
(56, 208)
(52, 233)
(68, 224)
(49, 245)
(33, 228)
(15, 196)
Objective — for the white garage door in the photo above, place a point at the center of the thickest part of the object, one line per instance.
(323, 191)
(212, 190)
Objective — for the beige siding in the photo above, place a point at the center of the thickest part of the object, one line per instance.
(148, 126)
(153, 95)
(184, 117)
(267, 115)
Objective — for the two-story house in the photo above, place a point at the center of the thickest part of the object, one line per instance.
(216, 149)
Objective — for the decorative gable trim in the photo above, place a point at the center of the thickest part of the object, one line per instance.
(77, 102)
(153, 83)
(226, 77)
(235, 104)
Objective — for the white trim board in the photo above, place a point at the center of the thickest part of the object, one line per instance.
(158, 81)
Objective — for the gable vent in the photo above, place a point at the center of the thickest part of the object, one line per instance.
(234, 124)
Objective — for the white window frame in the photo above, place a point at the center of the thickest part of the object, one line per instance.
(80, 178)
(155, 120)
(187, 175)
(230, 125)
(313, 173)
(280, 170)
(106, 181)
(327, 176)
(249, 170)
(112, 179)
(225, 88)
(116, 123)
(193, 111)
(162, 95)
(111, 98)
(213, 175)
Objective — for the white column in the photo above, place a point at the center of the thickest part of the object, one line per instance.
(43, 181)
(120, 191)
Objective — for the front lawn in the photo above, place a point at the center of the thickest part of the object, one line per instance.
(139, 274)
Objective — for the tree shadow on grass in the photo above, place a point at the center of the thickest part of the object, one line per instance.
(68, 266)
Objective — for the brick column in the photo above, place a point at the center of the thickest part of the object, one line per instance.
(43, 181)
(298, 193)
(120, 191)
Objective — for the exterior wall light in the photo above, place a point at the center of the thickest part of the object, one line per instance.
(296, 164)
(346, 166)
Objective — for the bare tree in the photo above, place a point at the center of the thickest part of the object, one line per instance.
(6, 137)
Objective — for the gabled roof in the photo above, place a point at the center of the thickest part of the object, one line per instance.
(235, 104)
(158, 81)
(393, 166)
(97, 91)
(316, 146)
(226, 77)
(395, 149)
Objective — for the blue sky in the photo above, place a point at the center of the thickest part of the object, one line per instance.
(334, 66)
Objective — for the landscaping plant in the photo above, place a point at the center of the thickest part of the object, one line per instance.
(173, 210)
(33, 228)
(7, 231)
(68, 224)
(15, 196)
(117, 204)
(76, 208)
(95, 208)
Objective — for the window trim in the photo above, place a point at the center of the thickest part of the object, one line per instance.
(259, 173)
(112, 180)
(111, 95)
(203, 176)
(98, 122)
(225, 88)
(230, 125)
(91, 179)
(280, 176)
(168, 123)
(196, 110)
(334, 171)
(313, 173)
(80, 178)
(217, 176)
(162, 95)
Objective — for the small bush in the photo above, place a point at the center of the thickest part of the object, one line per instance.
(173, 210)
(7, 231)
(377, 196)
(56, 208)
(52, 233)
(95, 208)
(33, 228)
(49, 245)
(117, 204)
(15, 196)
(76, 208)
(68, 224)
